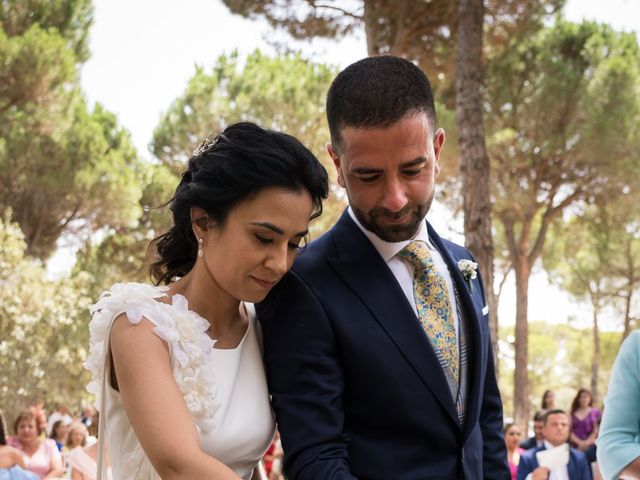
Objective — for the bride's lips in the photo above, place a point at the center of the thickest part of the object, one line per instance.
(263, 283)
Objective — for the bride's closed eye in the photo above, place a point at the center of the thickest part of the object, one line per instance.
(295, 246)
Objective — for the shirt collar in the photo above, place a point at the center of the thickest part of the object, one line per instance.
(388, 250)
(548, 446)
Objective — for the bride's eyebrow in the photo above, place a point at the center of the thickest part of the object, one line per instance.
(277, 230)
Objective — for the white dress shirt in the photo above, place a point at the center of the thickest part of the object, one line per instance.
(403, 270)
(558, 473)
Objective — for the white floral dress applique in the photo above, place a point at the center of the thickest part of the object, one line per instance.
(190, 347)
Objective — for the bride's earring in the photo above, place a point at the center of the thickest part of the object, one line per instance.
(200, 252)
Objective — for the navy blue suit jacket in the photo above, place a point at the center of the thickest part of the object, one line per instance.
(529, 443)
(578, 467)
(357, 388)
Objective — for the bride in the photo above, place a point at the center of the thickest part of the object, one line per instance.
(177, 369)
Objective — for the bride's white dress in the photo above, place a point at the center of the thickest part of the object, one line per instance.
(224, 390)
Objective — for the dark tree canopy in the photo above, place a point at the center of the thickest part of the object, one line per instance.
(421, 31)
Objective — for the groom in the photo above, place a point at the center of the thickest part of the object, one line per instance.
(376, 343)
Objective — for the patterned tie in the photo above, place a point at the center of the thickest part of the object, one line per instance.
(433, 304)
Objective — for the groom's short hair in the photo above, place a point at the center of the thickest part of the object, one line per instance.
(376, 92)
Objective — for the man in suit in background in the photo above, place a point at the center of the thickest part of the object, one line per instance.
(377, 344)
(538, 438)
(556, 433)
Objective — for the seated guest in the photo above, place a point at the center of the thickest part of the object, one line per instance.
(585, 419)
(556, 433)
(536, 440)
(83, 462)
(60, 413)
(59, 432)
(512, 436)
(87, 415)
(12, 465)
(41, 456)
(548, 401)
(591, 451)
(77, 436)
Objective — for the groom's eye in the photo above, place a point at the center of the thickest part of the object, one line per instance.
(413, 172)
(368, 178)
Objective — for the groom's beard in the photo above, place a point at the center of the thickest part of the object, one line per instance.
(376, 221)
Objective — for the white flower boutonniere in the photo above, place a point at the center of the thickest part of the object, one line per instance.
(469, 271)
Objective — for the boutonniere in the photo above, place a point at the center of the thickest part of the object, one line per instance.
(469, 271)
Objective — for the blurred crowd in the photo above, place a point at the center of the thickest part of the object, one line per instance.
(578, 427)
(60, 445)
(63, 445)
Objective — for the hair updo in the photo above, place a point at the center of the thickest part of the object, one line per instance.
(238, 163)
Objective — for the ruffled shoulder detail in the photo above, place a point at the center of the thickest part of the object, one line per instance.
(184, 331)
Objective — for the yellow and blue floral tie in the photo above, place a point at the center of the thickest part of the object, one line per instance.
(433, 303)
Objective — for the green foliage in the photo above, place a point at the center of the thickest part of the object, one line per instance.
(554, 146)
(578, 257)
(284, 93)
(81, 172)
(71, 19)
(596, 256)
(121, 254)
(35, 68)
(559, 359)
(43, 328)
(562, 106)
(63, 168)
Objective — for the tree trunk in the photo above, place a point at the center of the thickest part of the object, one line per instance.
(521, 373)
(474, 163)
(629, 289)
(595, 365)
(628, 295)
(371, 27)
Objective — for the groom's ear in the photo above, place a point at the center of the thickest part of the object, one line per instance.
(200, 222)
(333, 153)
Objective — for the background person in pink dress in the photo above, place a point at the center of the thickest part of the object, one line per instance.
(11, 462)
(40, 455)
(512, 435)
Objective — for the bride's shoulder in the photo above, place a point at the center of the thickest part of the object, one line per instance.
(130, 293)
(184, 331)
(134, 299)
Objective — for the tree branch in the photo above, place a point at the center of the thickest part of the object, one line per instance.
(342, 11)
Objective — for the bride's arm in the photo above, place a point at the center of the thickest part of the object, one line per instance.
(155, 406)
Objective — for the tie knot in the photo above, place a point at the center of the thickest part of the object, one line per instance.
(417, 253)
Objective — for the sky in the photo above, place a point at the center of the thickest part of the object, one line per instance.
(143, 53)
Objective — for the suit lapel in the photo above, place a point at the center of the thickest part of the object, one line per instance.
(366, 273)
(475, 333)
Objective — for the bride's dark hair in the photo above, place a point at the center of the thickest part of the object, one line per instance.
(226, 170)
